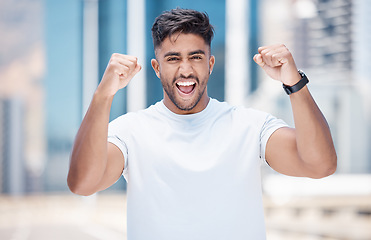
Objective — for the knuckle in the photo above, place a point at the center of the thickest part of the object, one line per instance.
(287, 54)
(125, 68)
(113, 63)
(115, 55)
(268, 54)
(133, 61)
(131, 64)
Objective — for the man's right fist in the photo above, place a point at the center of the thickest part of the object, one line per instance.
(119, 71)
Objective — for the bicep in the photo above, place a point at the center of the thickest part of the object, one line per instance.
(114, 168)
(282, 153)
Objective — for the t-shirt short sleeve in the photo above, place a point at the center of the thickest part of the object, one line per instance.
(270, 125)
(116, 140)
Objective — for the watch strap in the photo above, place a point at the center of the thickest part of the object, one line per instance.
(299, 85)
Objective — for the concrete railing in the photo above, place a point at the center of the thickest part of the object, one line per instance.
(341, 218)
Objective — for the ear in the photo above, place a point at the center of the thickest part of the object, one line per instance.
(156, 67)
(211, 64)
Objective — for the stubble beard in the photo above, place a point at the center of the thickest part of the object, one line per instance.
(180, 104)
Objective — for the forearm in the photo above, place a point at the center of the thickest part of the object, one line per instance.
(313, 138)
(89, 154)
(91, 168)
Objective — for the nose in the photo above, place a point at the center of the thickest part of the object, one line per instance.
(185, 68)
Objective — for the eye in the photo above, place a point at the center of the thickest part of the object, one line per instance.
(172, 59)
(196, 57)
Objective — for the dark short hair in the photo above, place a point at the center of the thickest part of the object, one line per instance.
(181, 21)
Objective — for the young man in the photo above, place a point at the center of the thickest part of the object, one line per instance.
(191, 162)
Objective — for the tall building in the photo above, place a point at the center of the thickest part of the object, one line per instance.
(12, 158)
(362, 66)
(80, 38)
(63, 83)
(324, 40)
(22, 152)
(331, 44)
(362, 40)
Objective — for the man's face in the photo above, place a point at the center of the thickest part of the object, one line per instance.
(183, 63)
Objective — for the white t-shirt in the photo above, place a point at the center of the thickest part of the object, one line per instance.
(194, 176)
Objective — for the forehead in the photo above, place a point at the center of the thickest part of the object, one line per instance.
(182, 44)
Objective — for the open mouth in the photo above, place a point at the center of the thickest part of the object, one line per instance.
(186, 87)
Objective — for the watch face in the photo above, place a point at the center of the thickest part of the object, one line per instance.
(302, 74)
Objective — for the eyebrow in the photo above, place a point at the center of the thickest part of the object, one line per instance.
(171, 54)
(196, 52)
(189, 54)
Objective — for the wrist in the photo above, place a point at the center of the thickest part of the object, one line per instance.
(102, 95)
(293, 80)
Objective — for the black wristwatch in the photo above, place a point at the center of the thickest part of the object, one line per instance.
(299, 85)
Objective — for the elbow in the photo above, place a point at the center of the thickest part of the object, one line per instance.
(323, 173)
(327, 167)
(331, 165)
(78, 188)
(80, 191)
(79, 182)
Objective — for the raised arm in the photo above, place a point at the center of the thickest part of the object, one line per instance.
(96, 164)
(306, 150)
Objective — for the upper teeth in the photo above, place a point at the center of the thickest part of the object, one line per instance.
(185, 83)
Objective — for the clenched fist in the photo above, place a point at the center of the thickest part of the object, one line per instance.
(120, 70)
(278, 63)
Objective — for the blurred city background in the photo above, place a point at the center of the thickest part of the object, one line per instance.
(53, 54)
